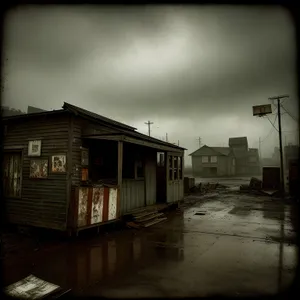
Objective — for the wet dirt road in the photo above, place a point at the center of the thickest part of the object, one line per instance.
(225, 245)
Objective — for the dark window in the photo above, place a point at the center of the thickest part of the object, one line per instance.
(160, 159)
(128, 167)
(12, 174)
(139, 169)
(180, 167)
(170, 167)
(175, 167)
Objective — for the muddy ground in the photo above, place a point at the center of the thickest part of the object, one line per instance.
(228, 244)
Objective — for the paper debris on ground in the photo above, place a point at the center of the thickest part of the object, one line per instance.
(31, 287)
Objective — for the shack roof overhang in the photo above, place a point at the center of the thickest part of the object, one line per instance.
(138, 141)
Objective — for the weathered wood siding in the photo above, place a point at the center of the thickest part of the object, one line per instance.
(150, 178)
(76, 151)
(132, 195)
(43, 201)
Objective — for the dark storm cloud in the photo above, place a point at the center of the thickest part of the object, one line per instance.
(189, 69)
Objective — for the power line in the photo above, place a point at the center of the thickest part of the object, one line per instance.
(289, 113)
(271, 130)
(272, 123)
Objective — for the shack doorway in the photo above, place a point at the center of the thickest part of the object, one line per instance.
(161, 178)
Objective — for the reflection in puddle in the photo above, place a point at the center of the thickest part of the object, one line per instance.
(136, 248)
(112, 257)
(96, 264)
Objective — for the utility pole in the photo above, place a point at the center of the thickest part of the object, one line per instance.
(149, 124)
(199, 139)
(167, 137)
(259, 147)
(178, 142)
(278, 98)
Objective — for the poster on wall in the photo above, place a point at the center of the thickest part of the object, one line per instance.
(82, 206)
(112, 204)
(34, 148)
(97, 205)
(38, 168)
(58, 163)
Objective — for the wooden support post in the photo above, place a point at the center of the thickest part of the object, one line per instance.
(120, 168)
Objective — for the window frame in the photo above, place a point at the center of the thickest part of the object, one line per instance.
(202, 159)
(175, 167)
(20, 151)
(214, 162)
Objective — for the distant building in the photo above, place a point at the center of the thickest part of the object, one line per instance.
(276, 155)
(9, 112)
(239, 146)
(213, 161)
(291, 152)
(237, 159)
(253, 161)
(32, 110)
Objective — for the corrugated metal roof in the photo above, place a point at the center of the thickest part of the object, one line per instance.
(128, 130)
(151, 139)
(86, 113)
(238, 141)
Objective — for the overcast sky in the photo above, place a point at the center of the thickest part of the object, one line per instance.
(193, 71)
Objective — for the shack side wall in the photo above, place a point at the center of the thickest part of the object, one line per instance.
(132, 194)
(43, 201)
(150, 177)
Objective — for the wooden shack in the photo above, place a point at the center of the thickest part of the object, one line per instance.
(71, 169)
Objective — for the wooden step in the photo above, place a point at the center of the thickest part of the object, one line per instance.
(136, 211)
(154, 222)
(150, 217)
(139, 216)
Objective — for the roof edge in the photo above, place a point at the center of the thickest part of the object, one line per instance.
(74, 109)
(23, 116)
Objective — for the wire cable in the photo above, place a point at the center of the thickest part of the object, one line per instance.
(289, 113)
(273, 122)
(271, 130)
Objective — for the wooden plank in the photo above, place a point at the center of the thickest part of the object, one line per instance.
(105, 204)
(150, 217)
(154, 222)
(120, 169)
(69, 163)
(89, 206)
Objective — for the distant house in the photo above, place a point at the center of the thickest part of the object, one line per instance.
(213, 161)
(276, 155)
(237, 159)
(8, 112)
(32, 110)
(253, 162)
(239, 146)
